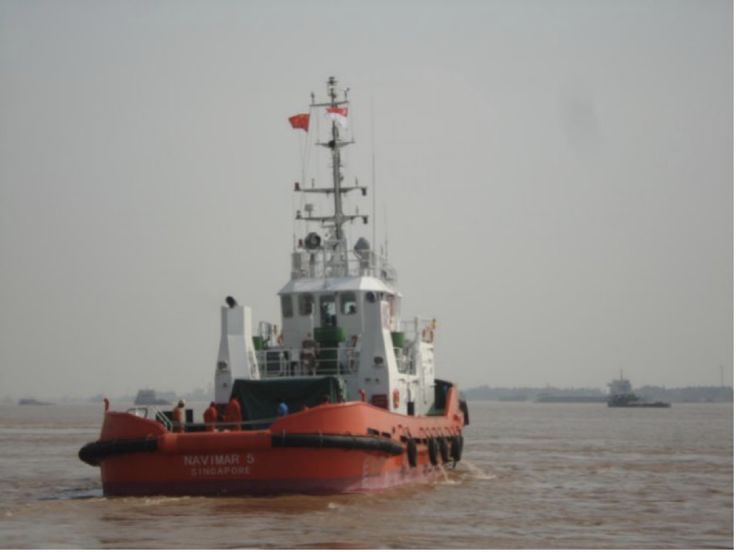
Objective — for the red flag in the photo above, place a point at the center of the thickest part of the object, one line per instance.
(300, 121)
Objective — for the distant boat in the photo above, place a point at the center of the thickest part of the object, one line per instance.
(33, 402)
(147, 397)
(622, 395)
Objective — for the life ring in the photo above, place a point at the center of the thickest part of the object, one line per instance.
(432, 449)
(444, 450)
(456, 447)
(411, 452)
(397, 398)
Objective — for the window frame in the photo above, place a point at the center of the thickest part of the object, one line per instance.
(287, 306)
(302, 303)
(324, 299)
(351, 301)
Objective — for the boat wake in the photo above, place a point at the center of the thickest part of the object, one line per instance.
(476, 473)
(447, 477)
(160, 500)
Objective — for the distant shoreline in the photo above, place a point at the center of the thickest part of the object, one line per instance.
(694, 394)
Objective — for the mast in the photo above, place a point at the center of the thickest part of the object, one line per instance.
(337, 109)
(335, 146)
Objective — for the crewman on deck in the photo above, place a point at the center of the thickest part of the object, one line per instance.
(210, 417)
(309, 355)
(179, 415)
(282, 409)
(233, 414)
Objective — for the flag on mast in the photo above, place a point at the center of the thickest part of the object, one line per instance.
(300, 120)
(339, 115)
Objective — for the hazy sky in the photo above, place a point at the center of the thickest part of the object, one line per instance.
(558, 179)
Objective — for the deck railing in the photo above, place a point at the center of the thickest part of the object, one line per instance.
(322, 264)
(155, 414)
(282, 362)
(422, 328)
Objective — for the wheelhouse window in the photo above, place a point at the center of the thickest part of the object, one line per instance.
(287, 306)
(348, 303)
(327, 310)
(306, 304)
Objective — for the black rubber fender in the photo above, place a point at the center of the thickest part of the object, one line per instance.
(444, 450)
(456, 447)
(411, 452)
(432, 449)
(465, 411)
(94, 453)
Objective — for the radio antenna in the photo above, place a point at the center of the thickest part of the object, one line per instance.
(385, 228)
(373, 172)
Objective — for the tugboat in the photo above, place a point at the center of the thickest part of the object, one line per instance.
(343, 399)
(622, 395)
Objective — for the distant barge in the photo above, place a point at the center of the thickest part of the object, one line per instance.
(33, 402)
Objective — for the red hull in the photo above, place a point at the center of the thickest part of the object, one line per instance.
(293, 485)
(268, 462)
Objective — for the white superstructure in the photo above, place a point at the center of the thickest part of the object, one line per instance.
(340, 312)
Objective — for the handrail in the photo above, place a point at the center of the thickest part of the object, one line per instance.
(157, 415)
(164, 419)
(317, 264)
(284, 362)
(419, 327)
(219, 425)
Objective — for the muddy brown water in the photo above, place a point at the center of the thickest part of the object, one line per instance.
(533, 476)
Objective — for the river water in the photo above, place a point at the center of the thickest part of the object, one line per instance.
(533, 476)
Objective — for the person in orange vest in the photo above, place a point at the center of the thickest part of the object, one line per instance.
(210, 417)
(233, 413)
(179, 415)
